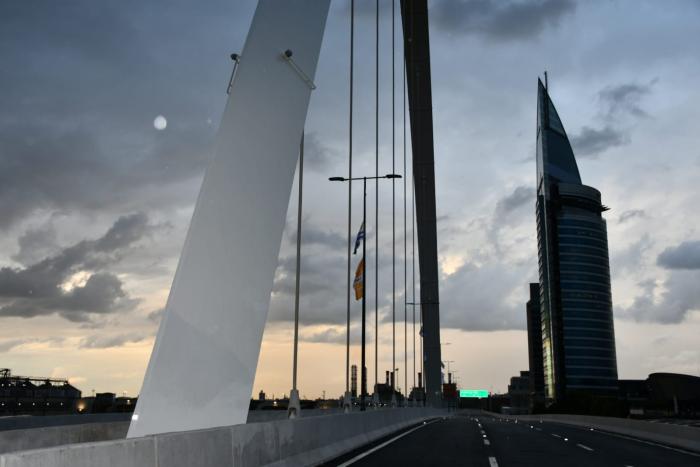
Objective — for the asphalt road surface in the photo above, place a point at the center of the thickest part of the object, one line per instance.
(477, 440)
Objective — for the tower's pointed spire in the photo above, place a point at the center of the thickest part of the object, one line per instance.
(555, 158)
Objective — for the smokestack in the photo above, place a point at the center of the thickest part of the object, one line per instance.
(387, 378)
(420, 379)
(353, 381)
(449, 378)
(392, 380)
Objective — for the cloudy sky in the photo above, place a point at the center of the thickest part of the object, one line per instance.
(96, 191)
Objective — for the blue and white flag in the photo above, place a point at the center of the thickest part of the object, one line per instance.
(360, 238)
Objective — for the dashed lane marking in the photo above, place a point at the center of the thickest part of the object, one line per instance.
(556, 435)
(493, 462)
(487, 442)
(583, 446)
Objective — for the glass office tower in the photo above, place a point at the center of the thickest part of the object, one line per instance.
(578, 340)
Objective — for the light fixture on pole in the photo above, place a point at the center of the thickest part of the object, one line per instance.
(363, 367)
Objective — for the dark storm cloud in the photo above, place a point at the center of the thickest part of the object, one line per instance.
(511, 211)
(35, 244)
(318, 156)
(10, 344)
(105, 342)
(590, 142)
(617, 103)
(82, 84)
(36, 290)
(57, 169)
(625, 98)
(475, 298)
(630, 258)
(631, 214)
(500, 20)
(323, 280)
(322, 299)
(336, 336)
(156, 315)
(312, 235)
(521, 196)
(680, 295)
(684, 256)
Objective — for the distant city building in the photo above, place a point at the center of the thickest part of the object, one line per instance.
(534, 348)
(519, 394)
(662, 394)
(261, 395)
(578, 339)
(106, 402)
(353, 381)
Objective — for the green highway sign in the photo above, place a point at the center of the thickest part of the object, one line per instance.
(474, 393)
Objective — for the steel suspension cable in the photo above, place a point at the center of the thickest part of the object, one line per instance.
(393, 198)
(349, 278)
(376, 206)
(405, 244)
(413, 260)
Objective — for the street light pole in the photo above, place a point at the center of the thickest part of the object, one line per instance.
(294, 406)
(363, 370)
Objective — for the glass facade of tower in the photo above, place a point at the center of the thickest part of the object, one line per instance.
(578, 340)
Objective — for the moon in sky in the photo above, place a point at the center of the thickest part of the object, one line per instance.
(160, 123)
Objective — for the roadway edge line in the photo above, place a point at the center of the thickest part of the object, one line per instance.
(649, 442)
(628, 437)
(386, 443)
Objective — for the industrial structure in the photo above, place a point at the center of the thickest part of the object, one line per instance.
(578, 340)
(29, 395)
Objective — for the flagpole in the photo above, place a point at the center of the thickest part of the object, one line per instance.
(364, 294)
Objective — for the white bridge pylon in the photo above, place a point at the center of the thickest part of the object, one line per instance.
(203, 364)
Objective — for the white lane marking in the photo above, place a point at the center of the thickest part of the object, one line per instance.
(384, 444)
(493, 462)
(538, 429)
(583, 446)
(556, 436)
(487, 442)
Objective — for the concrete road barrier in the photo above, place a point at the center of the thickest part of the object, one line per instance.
(304, 441)
(33, 438)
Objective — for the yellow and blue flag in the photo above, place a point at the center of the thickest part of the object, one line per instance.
(358, 285)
